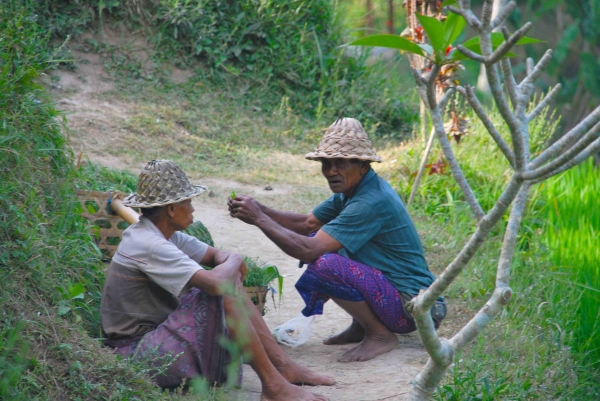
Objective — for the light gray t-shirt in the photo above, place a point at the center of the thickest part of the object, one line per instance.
(145, 279)
(169, 263)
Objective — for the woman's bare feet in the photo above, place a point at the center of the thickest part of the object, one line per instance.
(353, 334)
(370, 347)
(298, 374)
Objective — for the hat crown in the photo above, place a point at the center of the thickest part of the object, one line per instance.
(345, 138)
(162, 182)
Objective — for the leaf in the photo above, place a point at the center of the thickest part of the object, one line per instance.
(448, 3)
(453, 27)
(428, 49)
(77, 291)
(63, 308)
(389, 41)
(474, 44)
(434, 30)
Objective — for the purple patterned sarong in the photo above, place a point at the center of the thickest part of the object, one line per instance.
(332, 275)
(188, 340)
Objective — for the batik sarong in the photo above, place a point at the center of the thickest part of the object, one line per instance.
(188, 340)
(334, 276)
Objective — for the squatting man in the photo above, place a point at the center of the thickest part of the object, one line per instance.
(361, 246)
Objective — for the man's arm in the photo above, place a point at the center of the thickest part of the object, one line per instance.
(299, 223)
(228, 268)
(297, 246)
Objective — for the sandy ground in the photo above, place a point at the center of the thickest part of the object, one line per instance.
(95, 127)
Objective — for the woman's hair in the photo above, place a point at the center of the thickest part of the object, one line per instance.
(150, 211)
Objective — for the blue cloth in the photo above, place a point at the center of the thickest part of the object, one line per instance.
(375, 229)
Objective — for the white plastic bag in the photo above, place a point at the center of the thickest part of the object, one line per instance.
(295, 331)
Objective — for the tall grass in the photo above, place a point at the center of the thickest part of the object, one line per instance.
(47, 258)
(573, 238)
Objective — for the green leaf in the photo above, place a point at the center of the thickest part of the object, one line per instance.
(448, 3)
(453, 27)
(434, 30)
(428, 49)
(474, 44)
(63, 308)
(76, 291)
(389, 41)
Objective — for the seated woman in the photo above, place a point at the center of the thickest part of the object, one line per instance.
(160, 305)
(366, 255)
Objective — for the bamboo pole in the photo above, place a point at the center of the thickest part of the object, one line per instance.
(126, 213)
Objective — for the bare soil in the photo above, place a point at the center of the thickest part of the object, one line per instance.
(95, 129)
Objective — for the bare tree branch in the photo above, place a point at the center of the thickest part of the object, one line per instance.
(486, 13)
(544, 103)
(509, 80)
(588, 152)
(534, 73)
(457, 172)
(508, 44)
(567, 140)
(503, 15)
(573, 151)
(471, 54)
(468, 93)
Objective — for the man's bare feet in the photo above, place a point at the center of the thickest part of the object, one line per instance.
(353, 334)
(298, 374)
(370, 347)
(287, 392)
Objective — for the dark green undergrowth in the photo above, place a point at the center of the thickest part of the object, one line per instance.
(284, 52)
(534, 349)
(51, 270)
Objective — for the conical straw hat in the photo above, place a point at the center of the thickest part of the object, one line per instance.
(347, 139)
(161, 183)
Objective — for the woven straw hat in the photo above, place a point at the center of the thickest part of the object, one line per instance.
(347, 139)
(161, 183)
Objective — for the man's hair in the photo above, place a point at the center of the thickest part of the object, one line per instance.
(150, 211)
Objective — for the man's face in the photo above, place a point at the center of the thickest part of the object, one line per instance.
(343, 175)
(181, 214)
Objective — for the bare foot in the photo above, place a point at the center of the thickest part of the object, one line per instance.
(298, 374)
(353, 334)
(370, 347)
(288, 392)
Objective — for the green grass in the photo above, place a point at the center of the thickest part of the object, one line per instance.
(572, 236)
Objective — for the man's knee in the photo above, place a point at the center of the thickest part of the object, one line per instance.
(327, 261)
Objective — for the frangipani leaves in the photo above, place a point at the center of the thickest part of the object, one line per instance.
(389, 41)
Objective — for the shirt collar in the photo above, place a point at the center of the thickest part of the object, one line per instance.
(148, 223)
(368, 177)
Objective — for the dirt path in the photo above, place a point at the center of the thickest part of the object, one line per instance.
(95, 128)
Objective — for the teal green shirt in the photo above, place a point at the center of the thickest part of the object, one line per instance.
(375, 229)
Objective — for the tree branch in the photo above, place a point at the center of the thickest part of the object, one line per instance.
(589, 151)
(471, 54)
(436, 289)
(467, 14)
(534, 73)
(468, 93)
(503, 15)
(583, 143)
(486, 13)
(509, 80)
(567, 140)
(508, 44)
(544, 103)
(454, 166)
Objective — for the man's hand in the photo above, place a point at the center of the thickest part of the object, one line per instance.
(246, 209)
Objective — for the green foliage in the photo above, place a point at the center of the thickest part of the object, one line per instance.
(261, 275)
(198, 230)
(51, 270)
(572, 236)
(287, 51)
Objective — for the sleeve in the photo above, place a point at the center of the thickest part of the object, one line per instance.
(189, 245)
(327, 211)
(170, 267)
(354, 226)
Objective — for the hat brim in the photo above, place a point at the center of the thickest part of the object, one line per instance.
(135, 200)
(318, 155)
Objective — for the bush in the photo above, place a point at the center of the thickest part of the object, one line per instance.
(285, 51)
